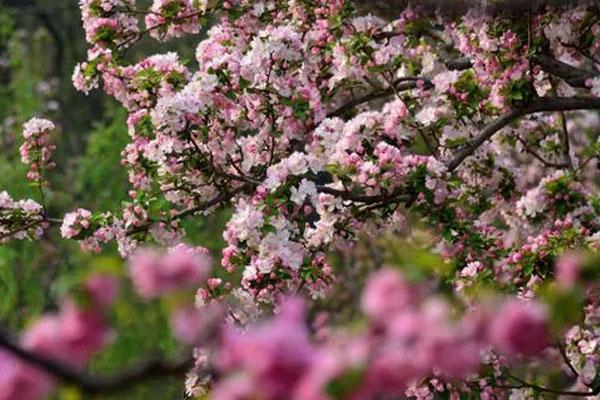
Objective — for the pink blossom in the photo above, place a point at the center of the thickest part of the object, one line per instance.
(75, 222)
(103, 289)
(568, 270)
(187, 324)
(520, 327)
(72, 336)
(190, 323)
(156, 274)
(274, 357)
(20, 381)
(36, 149)
(386, 293)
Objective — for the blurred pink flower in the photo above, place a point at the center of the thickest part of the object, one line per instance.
(520, 327)
(103, 289)
(385, 294)
(155, 274)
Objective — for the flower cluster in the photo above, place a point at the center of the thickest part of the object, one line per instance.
(155, 275)
(36, 149)
(409, 338)
(20, 219)
(75, 223)
(164, 15)
(108, 23)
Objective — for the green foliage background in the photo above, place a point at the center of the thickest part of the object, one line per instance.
(40, 43)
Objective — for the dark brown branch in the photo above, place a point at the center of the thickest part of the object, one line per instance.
(537, 105)
(193, 210)
(147, 370)
(563, 353)
(138, 35)
(345, 195)
(154, 368)
(486, 134)
(564, 138)
(30, 224)
(523, 384)
(539, 157)
(400, 85)
(459, 64)
(25, 227)
(574, 76)
(562, 104)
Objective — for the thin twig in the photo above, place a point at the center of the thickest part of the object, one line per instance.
(563, 353)
(25, 227)
(554, 391)
(539, 157)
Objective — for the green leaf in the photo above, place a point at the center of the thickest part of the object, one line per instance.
(341, 387)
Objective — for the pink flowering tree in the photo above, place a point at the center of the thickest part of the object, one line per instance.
(324, 130)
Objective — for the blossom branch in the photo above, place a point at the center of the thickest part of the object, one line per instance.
(343, 194)
(574, 76)
(152, 368)
(537, 105)
(134, 37)
(523, 384)
(539, 157)
(193, 210)
(564, 138)
(21, 229)
(399, 85)
(563, 353)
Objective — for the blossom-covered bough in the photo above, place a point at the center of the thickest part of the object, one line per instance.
(320, 125)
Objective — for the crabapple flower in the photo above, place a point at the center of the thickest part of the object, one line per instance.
(272, 358)
(594, 85)
(520, 327)
(189, 323)
(21, 381)
(568, 270)
(36, 149)
(103, 289)
(156, 274)
(106, 23)
(386, 293)
(75, 223)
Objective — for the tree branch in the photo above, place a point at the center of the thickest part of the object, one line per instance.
(399, 85)
(574, 76)
(486, 134)
(524, 384)
(152, 368)
(537, 105)
(539, 157)
(564, 138)
(149, 369)
(193, 210)
(25, 227)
